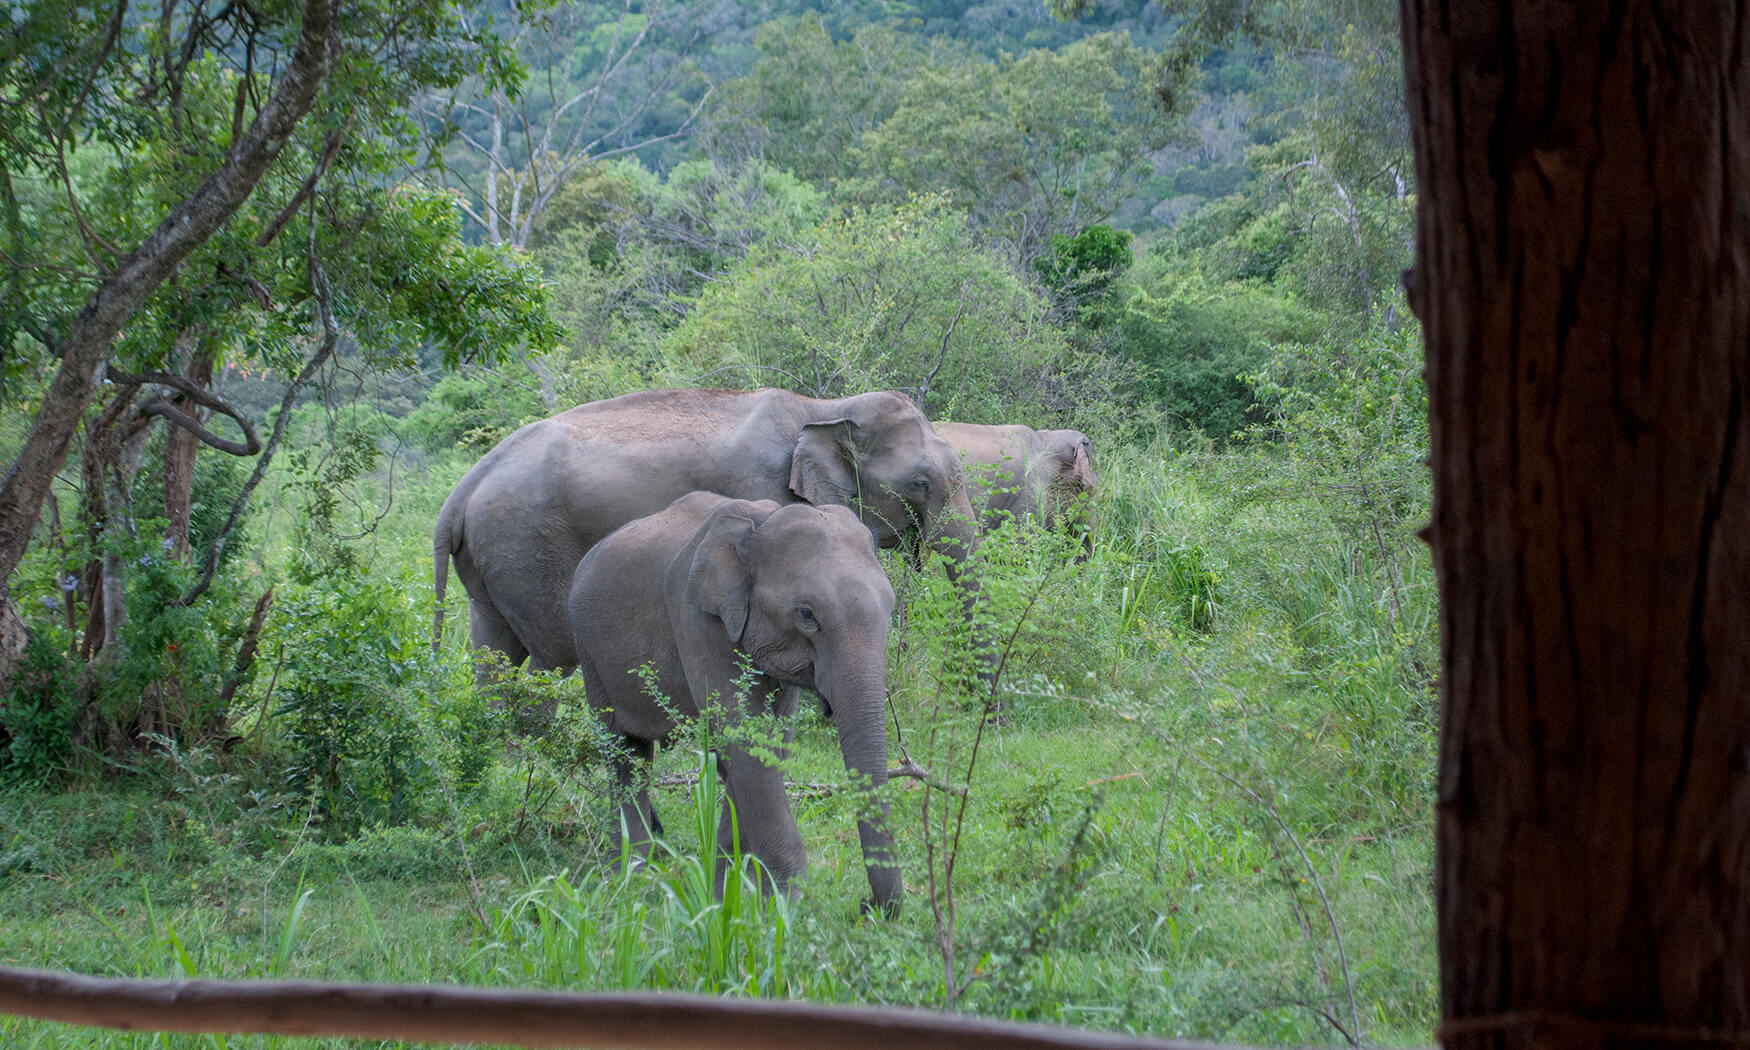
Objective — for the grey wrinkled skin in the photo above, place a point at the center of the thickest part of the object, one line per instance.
(1017, 471)
(518, 522)
(693, 592)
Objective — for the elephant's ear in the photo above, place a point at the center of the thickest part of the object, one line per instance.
(1085, 468)
(822, 468)
(718, 581)
(1071, 448)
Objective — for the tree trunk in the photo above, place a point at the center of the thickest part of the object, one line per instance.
(85, 349)
(1582, 252)
(180, 446)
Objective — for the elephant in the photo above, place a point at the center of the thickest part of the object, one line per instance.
(519, 521)
(691, 592)
(1017, 471)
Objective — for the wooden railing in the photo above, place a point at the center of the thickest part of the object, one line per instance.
(452, 1014)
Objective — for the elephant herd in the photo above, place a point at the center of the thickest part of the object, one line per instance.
(681, 533)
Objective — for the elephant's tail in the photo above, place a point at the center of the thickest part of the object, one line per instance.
(446, 540)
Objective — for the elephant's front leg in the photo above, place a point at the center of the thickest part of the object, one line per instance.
(760, 820)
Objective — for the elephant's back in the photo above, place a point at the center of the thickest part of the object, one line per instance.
(1005, 445)
(656, 417)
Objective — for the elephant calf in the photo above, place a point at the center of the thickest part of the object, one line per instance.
(1017, 471)
(692, 591)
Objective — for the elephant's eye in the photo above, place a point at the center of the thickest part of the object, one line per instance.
(921, 485)
(806, 615)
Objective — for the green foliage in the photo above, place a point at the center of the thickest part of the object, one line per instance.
(1196, 341)
(360, 748)
(171, 659)
(472, 409)
(1032, 147)
(409, 282)
(1082, 268)
(153, 143)
(38, 719)
(1029, 147)
(218, 478)
(629, 271)
(891, 297)
(809, 98)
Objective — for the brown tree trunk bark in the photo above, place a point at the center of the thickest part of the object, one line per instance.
(180, 446)
(85, 349)
(1583, 272)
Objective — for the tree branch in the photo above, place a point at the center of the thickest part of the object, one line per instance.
(198, 394)
(329, 152)
(959, 311)
(330, 338)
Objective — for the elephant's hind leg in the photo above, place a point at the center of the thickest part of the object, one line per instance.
(632, 775)
(488, 630)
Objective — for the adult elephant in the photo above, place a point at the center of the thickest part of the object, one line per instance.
(682, 600)
(517, 524)
(1014, 471)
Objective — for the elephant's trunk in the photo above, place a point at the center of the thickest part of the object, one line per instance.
(956, 536)
(954, 533)
(859, 708)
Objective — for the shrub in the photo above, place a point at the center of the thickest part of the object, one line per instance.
(1196, 341)
(472, 409)
(1082, 268)
(38, 717)
(355, 661)
(892, 297)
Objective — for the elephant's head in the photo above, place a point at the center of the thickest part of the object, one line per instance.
(1071, 478)
(884, 461)
(798, 590)
(1072, 460)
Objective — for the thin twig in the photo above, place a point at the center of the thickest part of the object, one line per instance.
(959, 311)
(1312, 875)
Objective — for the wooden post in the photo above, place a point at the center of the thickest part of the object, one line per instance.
(1583, 274)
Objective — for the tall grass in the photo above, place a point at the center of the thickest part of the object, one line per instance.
(660, 923)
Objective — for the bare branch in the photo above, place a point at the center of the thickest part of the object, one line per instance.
(329, 151)
(201, 396)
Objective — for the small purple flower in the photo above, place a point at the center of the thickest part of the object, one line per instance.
(50, 603)
(168, 544)
(69, 583)
(145, 560)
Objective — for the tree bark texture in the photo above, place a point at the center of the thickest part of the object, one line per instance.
(180, 446)
(85, 348)
(1583, 274)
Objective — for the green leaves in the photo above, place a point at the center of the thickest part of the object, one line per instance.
(1028, 147)
(889, 297)
(112, 121)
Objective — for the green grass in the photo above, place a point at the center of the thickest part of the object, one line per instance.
(1215, 765)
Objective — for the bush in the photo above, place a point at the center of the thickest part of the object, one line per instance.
(38, 717)
(895, 298)
(1196, 342)
(357, 664)
(1082, 268)
(472, 409)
